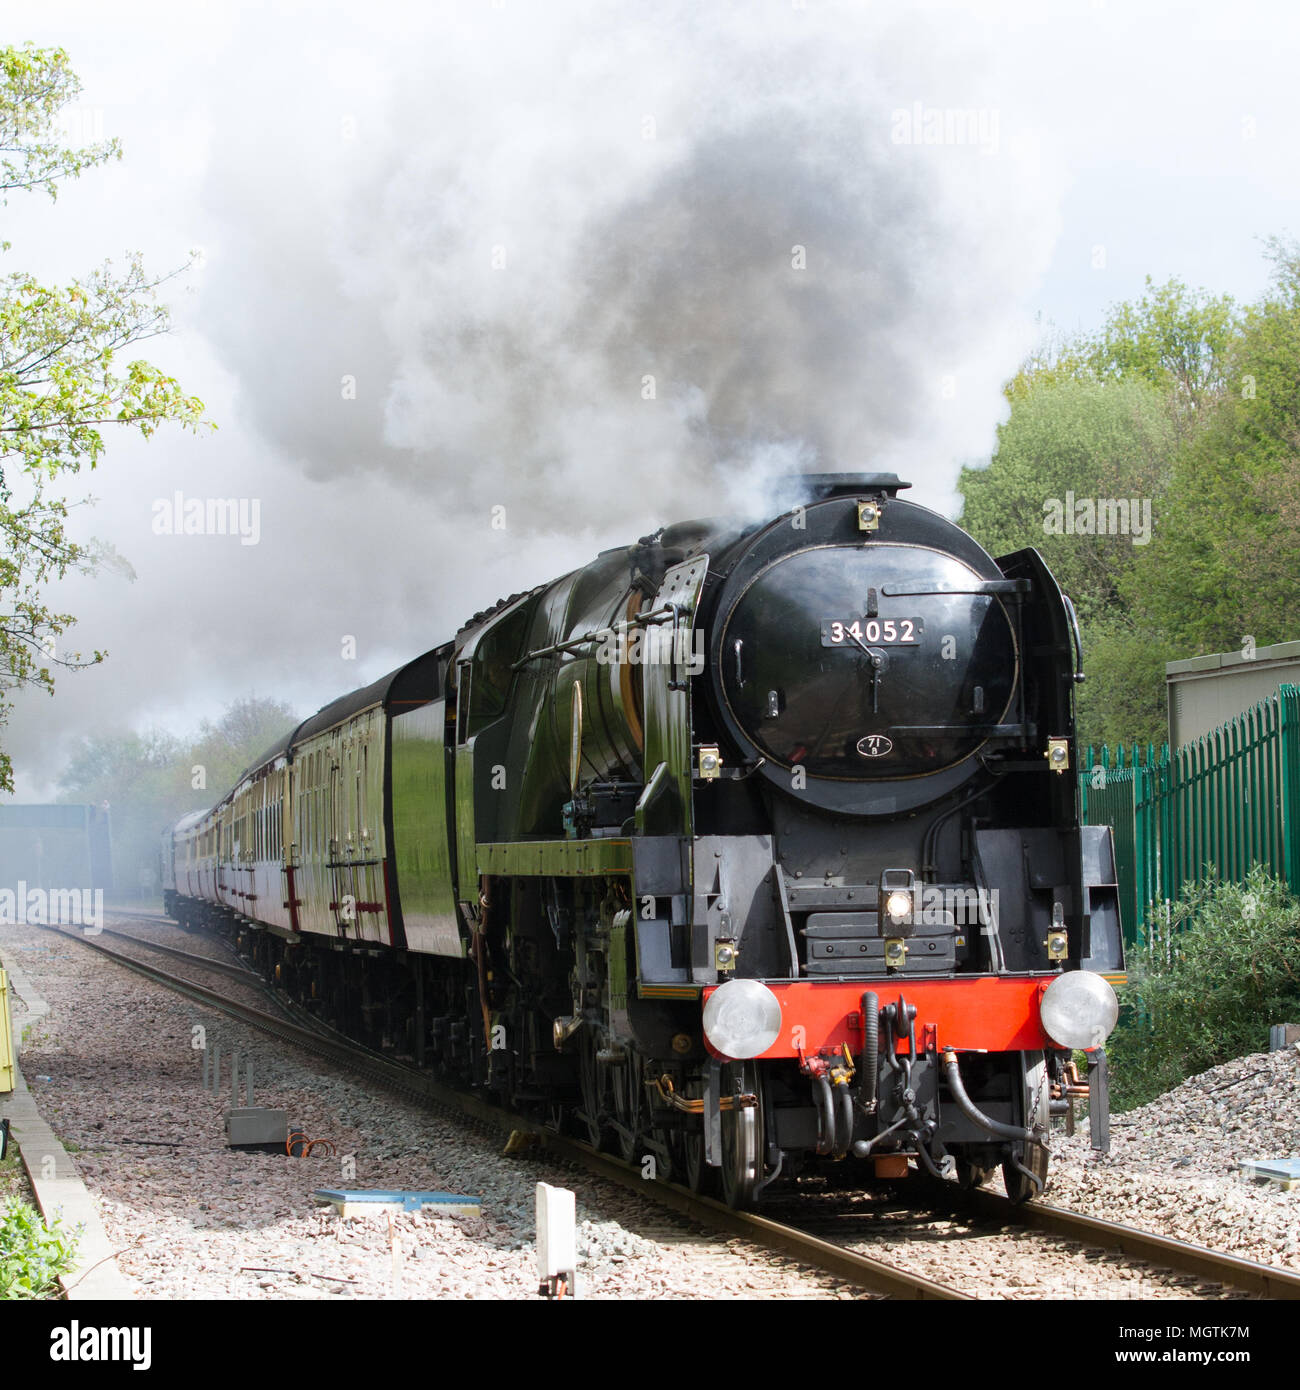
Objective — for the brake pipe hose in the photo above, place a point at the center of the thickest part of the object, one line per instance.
(972, 1112)
(870, 1050)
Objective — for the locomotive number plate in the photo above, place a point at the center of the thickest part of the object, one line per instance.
(871, 632)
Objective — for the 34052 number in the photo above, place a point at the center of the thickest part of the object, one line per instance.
(871, 632)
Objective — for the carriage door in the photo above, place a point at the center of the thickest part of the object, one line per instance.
(338, 860)
(226, 848)
(290, 850)
(363, 789)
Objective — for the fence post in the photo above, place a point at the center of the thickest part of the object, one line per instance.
(1172, 823)
(1289, 701)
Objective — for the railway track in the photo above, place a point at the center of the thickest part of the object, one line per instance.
(823, 1241)
(942, 1211)
(233, 970)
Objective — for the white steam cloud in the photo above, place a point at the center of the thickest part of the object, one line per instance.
(605, 266)
(595, 264)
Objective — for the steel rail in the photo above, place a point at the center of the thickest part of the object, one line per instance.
(236, 972)
(877, 1276)
(862, 1271)
(351, 1055)
(1178, 1255)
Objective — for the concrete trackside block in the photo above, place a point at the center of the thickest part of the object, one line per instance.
(58, 1186)
(255, 1127)
(374, 1200)
(1282, 1172)
(557, 1241)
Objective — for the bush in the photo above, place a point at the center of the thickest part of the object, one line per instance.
(1220, 965)
(32, 1255)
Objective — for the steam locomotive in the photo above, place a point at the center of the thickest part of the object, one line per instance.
(751, 847)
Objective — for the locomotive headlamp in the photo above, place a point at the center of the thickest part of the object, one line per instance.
(898, 904)
(742, 1019)
(1057, 940)
(1079, 1009)
(1058, 754)
(897, 900)
(710, 763)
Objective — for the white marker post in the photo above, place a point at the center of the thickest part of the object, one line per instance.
(557, 1242)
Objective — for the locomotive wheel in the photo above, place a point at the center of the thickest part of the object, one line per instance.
(592, 1081)
(688, 1153)
(742, 1137)
(1035, 1108)
(629, 1106)
(694, 1172)
(971, 1175)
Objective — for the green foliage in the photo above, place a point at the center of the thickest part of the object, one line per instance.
(1123, 699)
(32, 1255)
(1174, 339)
(1071, 437)
(62, 380)
(1226, 560)
(1192, 403)
(1079, 437)
(35, 85)
(149, 778)
(1056, 358)
(1220, 966)
(246, 729)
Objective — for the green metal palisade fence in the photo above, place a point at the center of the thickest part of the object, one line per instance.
(1230, 800)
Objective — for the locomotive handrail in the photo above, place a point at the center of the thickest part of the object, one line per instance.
(659, 615)
(984, 586)
(1078, 645)
(658, 781)
(987, 730)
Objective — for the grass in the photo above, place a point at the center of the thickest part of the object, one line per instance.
(32, 1254)
(13, 1177)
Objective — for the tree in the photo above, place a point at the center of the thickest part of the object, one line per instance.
(153, 778)
(62, 380)
(1121, 414)
(1225, 564)
(1075, 437)
(224, 750)
(1072, 438)
(1175, 339)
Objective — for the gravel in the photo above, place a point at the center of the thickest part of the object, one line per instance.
(167, 933)
(113, 1063)
(1172, 1167)
(198, 1220)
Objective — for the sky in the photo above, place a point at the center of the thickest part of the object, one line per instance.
(481, 289)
